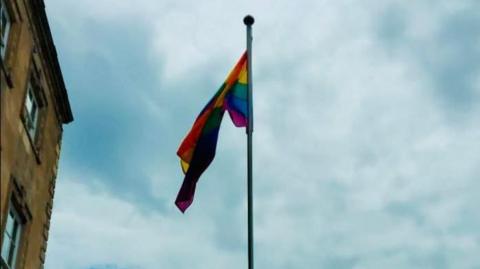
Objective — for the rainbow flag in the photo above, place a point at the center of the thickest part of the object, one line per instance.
(198, 148)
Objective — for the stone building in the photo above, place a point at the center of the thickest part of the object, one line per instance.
(34, 108)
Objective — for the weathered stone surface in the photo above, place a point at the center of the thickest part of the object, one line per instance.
(29, 164)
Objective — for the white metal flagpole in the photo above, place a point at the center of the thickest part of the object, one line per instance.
(248, 20)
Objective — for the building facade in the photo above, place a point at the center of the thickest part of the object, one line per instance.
(34, 108)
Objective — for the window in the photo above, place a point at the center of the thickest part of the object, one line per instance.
(11, 239)
(33, 113)
(5, 22)
(31, 109)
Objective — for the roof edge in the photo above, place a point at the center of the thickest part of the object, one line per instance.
(50, 53)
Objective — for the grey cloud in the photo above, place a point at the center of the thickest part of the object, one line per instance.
(392, 25)
(450, 55)
(458, 40)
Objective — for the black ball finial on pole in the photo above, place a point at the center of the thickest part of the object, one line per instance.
(248, 20)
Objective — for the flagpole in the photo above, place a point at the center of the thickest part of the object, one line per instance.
(248, 20)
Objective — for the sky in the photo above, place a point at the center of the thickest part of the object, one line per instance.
(366, 142)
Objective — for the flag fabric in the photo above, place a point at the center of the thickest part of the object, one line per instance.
(198, 148)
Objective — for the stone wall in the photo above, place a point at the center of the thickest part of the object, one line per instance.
(29, 164)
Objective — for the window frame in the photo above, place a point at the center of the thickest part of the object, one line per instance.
(31, 106)
(4, 37)
(17, 230)
(33, 84)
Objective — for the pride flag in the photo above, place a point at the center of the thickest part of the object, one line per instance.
(198, 148)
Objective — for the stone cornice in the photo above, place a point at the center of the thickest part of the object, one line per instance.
(49, 53)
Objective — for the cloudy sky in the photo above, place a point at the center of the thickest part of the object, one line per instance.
(366, 147)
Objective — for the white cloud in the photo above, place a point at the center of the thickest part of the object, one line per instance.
(95, 228)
